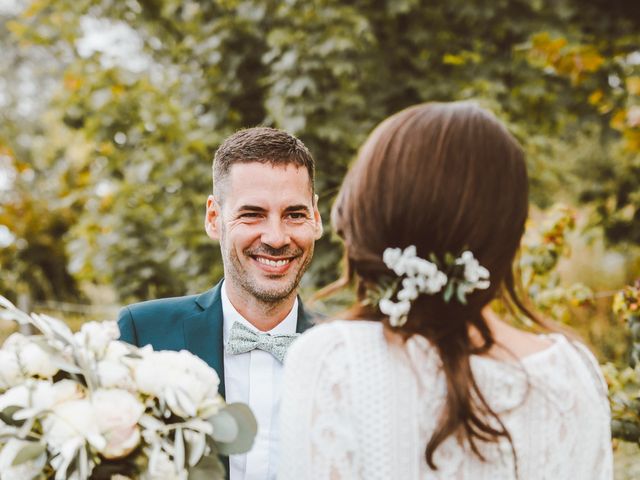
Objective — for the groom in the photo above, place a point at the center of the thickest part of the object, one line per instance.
(264, 214)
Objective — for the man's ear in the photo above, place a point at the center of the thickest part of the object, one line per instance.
(212, 218)
(316, 217)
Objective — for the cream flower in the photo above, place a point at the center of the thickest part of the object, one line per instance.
(72, 421)
(185, 382)
(10, 374)
(31, 358)
(117, 413)
(113, 374)
(96, 336)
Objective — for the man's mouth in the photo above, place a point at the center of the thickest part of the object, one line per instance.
(272, 262)
(274, 265)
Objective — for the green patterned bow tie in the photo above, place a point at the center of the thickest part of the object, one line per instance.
(242, 339)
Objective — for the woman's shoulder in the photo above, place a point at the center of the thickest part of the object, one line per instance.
(333, 335)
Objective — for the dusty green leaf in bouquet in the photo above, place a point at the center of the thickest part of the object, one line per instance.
(225, 427)
(29, 452)
(6, 415)
(207, 468)
(245, 427)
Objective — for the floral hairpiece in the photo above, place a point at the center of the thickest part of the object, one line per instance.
(419, 276)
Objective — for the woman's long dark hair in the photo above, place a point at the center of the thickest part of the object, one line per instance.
(445, 177)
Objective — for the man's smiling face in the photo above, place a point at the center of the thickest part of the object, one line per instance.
(267, 222)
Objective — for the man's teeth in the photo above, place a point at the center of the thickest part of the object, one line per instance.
(273, 263)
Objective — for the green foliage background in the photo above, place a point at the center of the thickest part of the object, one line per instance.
(118, 156)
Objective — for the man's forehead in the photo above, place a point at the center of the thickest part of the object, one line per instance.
(268, 183)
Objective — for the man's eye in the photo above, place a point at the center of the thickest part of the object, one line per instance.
(297, 215)
(249, 215)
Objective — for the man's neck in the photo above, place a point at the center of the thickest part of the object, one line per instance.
(262, 315)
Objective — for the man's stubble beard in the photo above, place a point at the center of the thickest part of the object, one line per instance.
(235, 272)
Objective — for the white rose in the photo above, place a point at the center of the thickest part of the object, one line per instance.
(35, 396)
(10, 374)
(17, 396)
(114, 374)
(116, 350)
(66, 390)
(33, 359)
(187, 384)
(117, 413)
(36, 361)
(96, 336)
(74, 420)
(26, 470)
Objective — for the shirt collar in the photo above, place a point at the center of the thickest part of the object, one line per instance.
(231, 315)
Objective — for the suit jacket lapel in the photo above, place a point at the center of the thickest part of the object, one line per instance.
(304, 320)
(203, 332)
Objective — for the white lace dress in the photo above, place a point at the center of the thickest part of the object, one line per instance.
(356, 407)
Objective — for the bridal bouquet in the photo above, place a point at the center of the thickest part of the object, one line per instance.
(84, 405)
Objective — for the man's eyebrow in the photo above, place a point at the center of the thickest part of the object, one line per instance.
(251, 208)
(297, 208)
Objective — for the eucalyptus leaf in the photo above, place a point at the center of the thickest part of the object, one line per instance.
(29, 452)
(247, 429)
(6, 415)
(225, 427)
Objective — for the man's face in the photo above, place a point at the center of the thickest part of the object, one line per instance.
(267, 222)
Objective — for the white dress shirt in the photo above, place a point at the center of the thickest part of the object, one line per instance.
(255, 378)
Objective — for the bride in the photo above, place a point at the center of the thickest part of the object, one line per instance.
(422, 380)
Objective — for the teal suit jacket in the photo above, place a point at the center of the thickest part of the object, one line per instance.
(192, 323)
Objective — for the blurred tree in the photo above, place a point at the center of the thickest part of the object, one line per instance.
(34, 215)
(153, 86)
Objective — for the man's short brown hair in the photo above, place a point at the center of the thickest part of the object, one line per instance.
(262, 145)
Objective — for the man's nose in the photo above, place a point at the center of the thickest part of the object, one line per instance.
(275, 234)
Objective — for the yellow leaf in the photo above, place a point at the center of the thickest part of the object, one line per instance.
(72, 82)
(117, 90)
(34, 8)
(595, 97)
(450, 59)
(16, 28)
(633, 85)
(589, 60)
(632, 140)
(618, 120)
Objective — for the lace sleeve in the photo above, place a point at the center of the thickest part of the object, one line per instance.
(316, 432)
(602, 460)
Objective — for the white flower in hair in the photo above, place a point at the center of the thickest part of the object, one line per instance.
(397, 312)
(421, 276)
(424, 277)
(476, 276)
